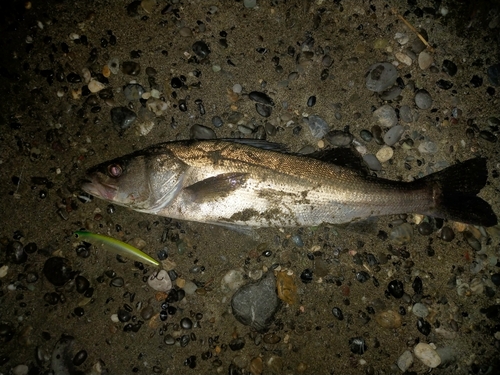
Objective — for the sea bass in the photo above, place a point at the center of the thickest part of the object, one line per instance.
(256, 184)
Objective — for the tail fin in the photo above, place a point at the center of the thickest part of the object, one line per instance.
(455, 190)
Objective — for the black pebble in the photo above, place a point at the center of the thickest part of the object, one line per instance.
(447, 234)
(362, 276)
(184, 340)
(186, 323)
(176, 83)
(57, 270)
(476, 81)
(311, 101)
(357, 345)
(79, 311)
(425, 228)
(82, 284)
(417, 285)
(449, 67)
(423, 327)
(124, 315)
(306, 276)
(260, 97)
(201, 49)
(444, 84)
(131, 68)
(83, 251)
(237, 344)
(495, 278)
(338, 313)
(396, 288)
(73, 78)
(263, 110)
(80, 357)
(488, 136)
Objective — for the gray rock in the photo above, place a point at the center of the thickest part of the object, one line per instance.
(405, 114)
(317, 125)
(391, 94)
(386, 116)
(263, 110)
(133, 91)
(423, 99)
(427, 147)
(256, 303)
(217, 121)
(381, 76)
(339, 138)
(372, 162)
(393, 135)
(405, 360)
(198, 131)
(122, 118)
(131, 68)
(420, 310)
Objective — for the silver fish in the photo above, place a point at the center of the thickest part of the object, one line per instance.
(234, 183)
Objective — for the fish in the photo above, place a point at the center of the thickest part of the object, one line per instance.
(116, 246)
(253, 183)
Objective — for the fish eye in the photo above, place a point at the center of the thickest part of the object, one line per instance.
(115, 170)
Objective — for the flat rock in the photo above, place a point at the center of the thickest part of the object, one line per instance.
(427, 355)
(256, 303)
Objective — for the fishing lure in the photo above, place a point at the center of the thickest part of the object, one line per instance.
(116, 246)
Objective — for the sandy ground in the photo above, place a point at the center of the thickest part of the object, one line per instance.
(51, 133)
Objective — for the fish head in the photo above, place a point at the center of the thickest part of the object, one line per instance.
(144, 181)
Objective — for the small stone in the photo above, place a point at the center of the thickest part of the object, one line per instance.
(393, 136)
(133, 91)
(160, 281)
(405, 59)
(263, 110)
(95, 86)
(449, 67)
(427, 355)
(423, 99)
(405, 360)
(122, 117)
(386, 116)
(57, 270)
(494, 74)
(372, 162)
(385, 154)
(201, 49)
(217, 121)
(396, 288)
(427, 147)
(425, 60)
(381, 76)
(148, 5)
(250, 4)
(339, 138)
(317, 125)
(388, 319)
(366, 135)
(232, 280)
(185, 31)
(131, 68)
(405, 114)
(261, 97)
(420, 310)
(198, 131)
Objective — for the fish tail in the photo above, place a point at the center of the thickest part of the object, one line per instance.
(454, 192)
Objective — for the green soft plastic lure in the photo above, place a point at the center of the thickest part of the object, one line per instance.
(115, 246)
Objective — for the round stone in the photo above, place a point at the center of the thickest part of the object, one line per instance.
(427, 355)
(386, 116)
(385, 154)
(420, 310)
(381, 76)
(423, 99)
(160, 281)
(405, 360)
(425, 60)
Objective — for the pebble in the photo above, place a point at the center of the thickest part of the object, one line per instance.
(391, 94)
(405, 360)
(95, 86)
(427, 355)
(423, 327)
(405, 59)
(372, 162)
(425, 60)
(263, 110)
(396, 288)
(357, 345)
(57, 270)
(393, 135)
(250, 4)
(122, 117)
(201, 49)
(261, 97)
(427, 147)
(311, 101)
(420, 310)
(366, 135)
(449, 67)
(157, 106)
(317, 126)
(386, 116)
(493, 73)
(130, 68)
(381, 76)
(217, 121)
(388, 319)
(185, 31)
(232, 280)
(385, 154)
(337, 312)
(198, 131)
(405, 114)
(339, 138)
(133, 91)
(160, 281)
(444, 84)
(401, 234)
(256, 303)
(80, 357)
(20, 370)
(423, 99)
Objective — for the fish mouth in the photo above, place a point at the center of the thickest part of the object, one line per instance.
(99, 189)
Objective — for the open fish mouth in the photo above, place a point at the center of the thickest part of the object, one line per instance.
(99, 189)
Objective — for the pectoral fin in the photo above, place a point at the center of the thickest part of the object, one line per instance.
(216, 187)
